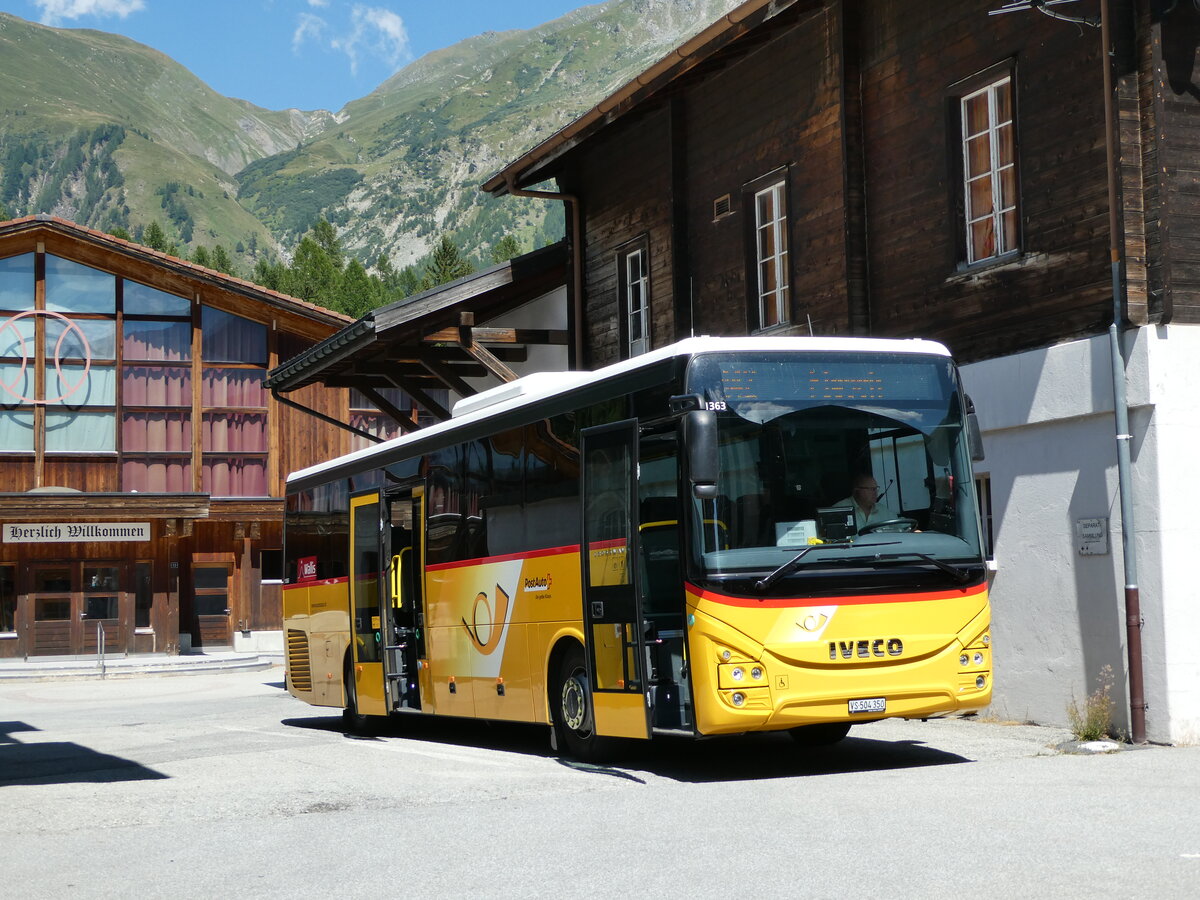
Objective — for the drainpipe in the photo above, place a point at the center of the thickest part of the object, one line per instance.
(1133, 612)
(572, 202)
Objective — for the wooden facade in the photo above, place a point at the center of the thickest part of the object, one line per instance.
(196, 558)
(856, 107)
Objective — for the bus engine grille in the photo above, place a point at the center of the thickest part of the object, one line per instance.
(299, 665)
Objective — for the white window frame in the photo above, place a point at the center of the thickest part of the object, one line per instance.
(635, 282)
(772, 301)
(983, 495)
(1006, 239)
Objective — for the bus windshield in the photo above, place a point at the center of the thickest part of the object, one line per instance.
(857, 460)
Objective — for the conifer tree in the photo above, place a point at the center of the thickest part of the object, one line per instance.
(505, 249)
(446, 264)
(153, 237)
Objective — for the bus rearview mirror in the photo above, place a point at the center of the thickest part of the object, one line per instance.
(698, 432)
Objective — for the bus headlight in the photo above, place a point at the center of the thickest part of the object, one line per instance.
(756, 673)
(963, 660)
(737, 674)
(978, 658)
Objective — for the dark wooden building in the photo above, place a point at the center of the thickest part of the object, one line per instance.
(1010, 178)
(141, 457)
(888, 168)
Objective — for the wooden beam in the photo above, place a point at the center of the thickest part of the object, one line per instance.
(405, 384)
(442, 371)
(489, 362)
(489, 335)
(399, 416)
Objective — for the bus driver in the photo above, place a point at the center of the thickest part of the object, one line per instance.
(864, 500)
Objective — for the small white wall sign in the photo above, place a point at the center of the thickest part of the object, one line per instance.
(1091, 536)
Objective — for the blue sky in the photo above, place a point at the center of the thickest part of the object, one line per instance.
(309, 54)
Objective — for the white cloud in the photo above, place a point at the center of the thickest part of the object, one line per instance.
(56, 11)
(307, 26)
(318, 4)
(374, 32)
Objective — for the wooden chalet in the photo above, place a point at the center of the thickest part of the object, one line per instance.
(141, 456)
(887, 168)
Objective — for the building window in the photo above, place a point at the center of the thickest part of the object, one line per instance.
(983, 494)
(233, 438)
(156, 386)
(57, 363)
(770, 241)
(989, 171)
(143, 594)
(633, 278)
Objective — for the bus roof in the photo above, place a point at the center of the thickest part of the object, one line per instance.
(541, 386)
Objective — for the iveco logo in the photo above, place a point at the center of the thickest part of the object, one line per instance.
(867, 648)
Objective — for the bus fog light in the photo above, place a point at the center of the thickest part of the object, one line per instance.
(738, 673)
(756, 673)
(978, 659)
(738, 698)
(980, 681)
(962, 660)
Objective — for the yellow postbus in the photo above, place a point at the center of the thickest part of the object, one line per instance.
(721, 536)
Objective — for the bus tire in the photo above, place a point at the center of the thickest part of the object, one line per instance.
(574, 721)
(352, 720)
(822, 735)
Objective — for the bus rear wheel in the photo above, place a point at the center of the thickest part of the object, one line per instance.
(822, 735)
(574, 721)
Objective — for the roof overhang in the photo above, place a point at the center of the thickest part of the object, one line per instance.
(34, 227)
(430, 340)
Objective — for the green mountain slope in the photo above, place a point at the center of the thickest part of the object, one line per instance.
(105, 131)
(162, 124)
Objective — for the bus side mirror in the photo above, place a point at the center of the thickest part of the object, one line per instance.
(974, 435)
(698, 433)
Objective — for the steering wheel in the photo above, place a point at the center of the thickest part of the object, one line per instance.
(909, 525)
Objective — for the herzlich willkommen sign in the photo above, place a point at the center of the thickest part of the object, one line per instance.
(71, 532)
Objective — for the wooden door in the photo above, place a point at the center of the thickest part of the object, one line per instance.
(101, 614)
(211, 605)
(54, 609)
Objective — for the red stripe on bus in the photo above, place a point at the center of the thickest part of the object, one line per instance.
(505, 557)
(782, 602)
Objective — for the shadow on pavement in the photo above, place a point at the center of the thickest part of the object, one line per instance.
(61, 763)
(725, 759)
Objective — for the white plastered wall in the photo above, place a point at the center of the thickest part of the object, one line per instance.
(1059, 616)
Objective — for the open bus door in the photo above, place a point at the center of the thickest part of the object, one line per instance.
(364, 666)
(612, 603)
(403, 609)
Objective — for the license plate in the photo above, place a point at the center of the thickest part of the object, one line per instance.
(869, 705)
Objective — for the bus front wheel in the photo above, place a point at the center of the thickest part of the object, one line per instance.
(573, 717)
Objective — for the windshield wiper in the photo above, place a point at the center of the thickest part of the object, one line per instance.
(763, 583)
(962, 576)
